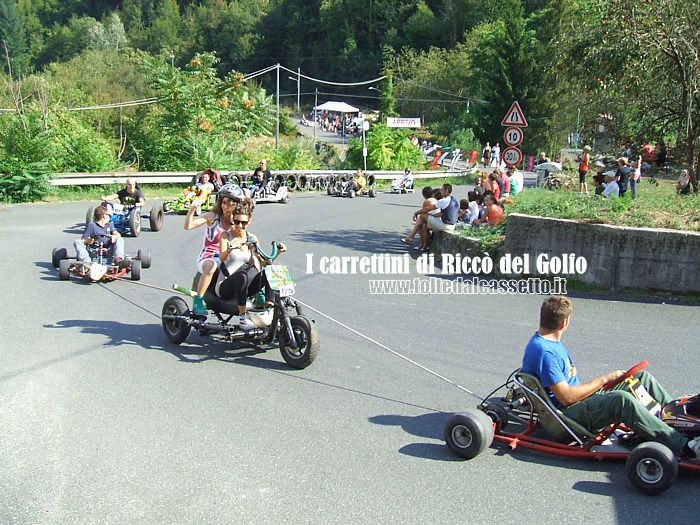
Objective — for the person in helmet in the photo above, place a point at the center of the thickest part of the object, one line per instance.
(217, 220)
(547, 358)
(403, 182)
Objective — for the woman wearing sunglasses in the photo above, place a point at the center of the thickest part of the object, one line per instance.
(241, 271)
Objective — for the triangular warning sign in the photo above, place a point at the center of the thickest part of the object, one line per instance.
(514, 117)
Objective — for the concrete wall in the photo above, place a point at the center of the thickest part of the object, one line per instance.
(641, 258)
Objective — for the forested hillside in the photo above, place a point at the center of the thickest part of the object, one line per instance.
(631, 65)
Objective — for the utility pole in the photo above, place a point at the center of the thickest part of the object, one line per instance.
(277, 124)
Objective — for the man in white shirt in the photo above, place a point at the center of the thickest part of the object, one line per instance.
(516, 180)
(612, 189)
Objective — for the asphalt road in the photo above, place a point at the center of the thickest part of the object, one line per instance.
(103, 421)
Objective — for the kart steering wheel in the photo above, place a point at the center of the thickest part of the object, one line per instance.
(636, 368)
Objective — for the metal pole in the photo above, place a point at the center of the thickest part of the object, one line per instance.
(364, 147)
(315, 121)
(578, 121)
(299, 91)
(277, 124)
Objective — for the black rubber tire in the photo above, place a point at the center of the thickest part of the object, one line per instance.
(279, 180)
(292, 182)
(57, 255)
(233, 179)
(332, 180)
(651, 468)
(64, 269)
(176, 331)
(145, 257)
(135, 270)
(285, 200)
(372, 194)
(351, 194)
(303, 183)
(135, 222)
(155, 219)
(307, 340)
(90, 214)
(329, 190)
(468, 434)
(322, 183)
(313, 183)
(370, 180)
(342, 178)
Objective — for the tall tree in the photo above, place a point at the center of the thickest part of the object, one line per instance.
(14, 38)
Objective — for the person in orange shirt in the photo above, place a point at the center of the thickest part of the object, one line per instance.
(493, 213)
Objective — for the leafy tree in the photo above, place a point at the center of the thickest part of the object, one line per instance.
(387, 149)
(14, 38)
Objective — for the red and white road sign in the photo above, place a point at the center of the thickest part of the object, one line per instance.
(513, 136)
(512, 156)
(514, 117)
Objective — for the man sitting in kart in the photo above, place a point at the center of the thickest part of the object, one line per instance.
(357, 183)
(403, 182)
(547, 358)
(100, 230)
(259, 185)
(130, 195)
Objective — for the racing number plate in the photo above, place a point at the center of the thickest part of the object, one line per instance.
(279, 279)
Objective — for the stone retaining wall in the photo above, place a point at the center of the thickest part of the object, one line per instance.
(615, 256)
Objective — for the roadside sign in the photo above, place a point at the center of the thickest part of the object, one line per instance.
(513, 136)
(512, 156)
(514, 117)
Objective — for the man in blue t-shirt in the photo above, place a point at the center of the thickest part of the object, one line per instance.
(100, 230)
(547, 358)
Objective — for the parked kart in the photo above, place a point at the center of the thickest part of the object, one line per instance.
(651, 467)
(127, 219)
(101, 267)
(343, 188)
(285, 322)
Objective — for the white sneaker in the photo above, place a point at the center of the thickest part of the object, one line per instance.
(694, 446)
(244, 323)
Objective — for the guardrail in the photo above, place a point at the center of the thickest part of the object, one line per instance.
(187, 177)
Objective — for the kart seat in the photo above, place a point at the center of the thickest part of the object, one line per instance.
(552, 420)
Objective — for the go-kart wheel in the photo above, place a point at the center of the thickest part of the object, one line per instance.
(351, 194)
(166, 207)
(135, 270)
(175, 330)
(155, 219)
(498, 415)
(285, 200)
(468, 434)
(64, 269)
(145, 257)
(57, 255)
(329, 191)
(652, 468)
(135, 222)
(636, 368)
(372, 193)
(306, 339)
(89, 215)
(292, 182)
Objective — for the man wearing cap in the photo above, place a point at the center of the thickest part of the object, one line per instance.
(612, 189)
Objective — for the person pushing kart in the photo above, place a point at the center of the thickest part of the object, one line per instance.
(547, 358)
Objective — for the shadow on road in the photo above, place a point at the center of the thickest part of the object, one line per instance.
(365, 241)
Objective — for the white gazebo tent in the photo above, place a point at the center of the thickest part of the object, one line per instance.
(337, 107)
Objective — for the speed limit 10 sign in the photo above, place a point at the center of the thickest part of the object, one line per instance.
(512, 156)
(513, 136)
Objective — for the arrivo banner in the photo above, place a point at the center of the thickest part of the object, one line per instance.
(403, 122)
